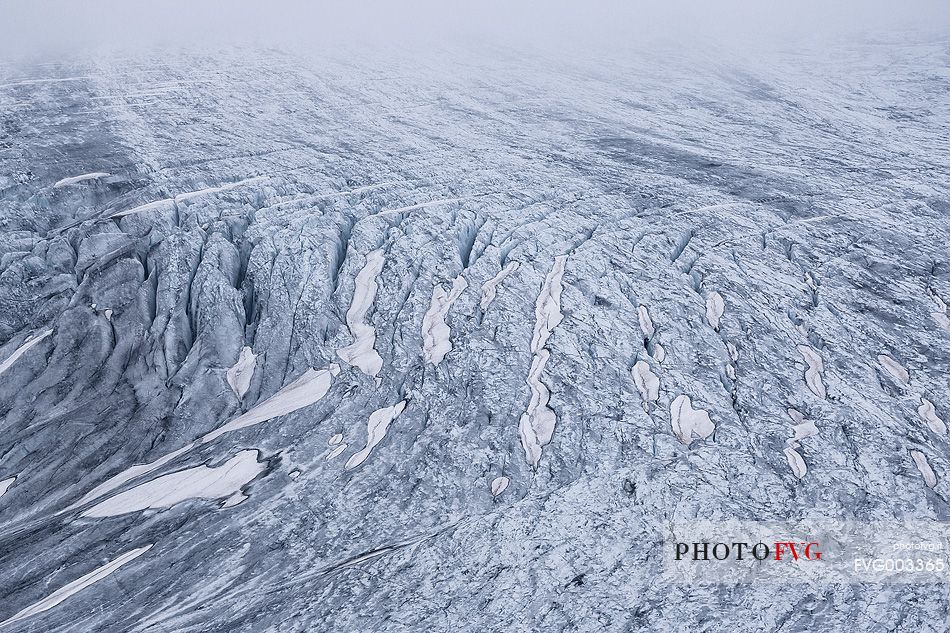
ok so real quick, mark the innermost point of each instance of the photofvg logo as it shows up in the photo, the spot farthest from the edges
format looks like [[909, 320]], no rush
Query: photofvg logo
[[778, 551], [810, 552]]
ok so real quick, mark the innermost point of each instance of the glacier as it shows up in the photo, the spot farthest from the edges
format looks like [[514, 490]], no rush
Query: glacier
[[299, 342]]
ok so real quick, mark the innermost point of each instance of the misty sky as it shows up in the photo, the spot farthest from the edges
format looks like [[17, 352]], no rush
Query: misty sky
[[29, 27]]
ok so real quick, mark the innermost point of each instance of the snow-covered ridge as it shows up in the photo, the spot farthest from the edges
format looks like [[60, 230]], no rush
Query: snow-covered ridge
[[191, 195], [165, 203], [184, 197], [490, 288], [77, 179], [422, 205], [361, 353]]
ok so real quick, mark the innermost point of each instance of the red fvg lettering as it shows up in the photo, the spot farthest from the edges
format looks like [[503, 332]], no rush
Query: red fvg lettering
[[806, 552], [779, 546]]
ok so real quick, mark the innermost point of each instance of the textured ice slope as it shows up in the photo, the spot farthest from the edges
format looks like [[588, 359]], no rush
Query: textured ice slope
[[294, 344]]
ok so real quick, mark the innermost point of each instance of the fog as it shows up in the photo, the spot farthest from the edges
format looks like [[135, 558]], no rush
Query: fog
[[61, 27]]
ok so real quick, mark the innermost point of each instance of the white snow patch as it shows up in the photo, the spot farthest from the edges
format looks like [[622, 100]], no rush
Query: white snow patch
[[648, 384], [435, 332], [895, 369], [815, 368], [200, 482], [335, 439], [689, 423], [795, 461], [803, 428], [536, 426], [361, 353], [23, 349], [376, 428], [127, 475], [108, 314], [733, 359], [646, 323], [5, 485], [75, 179], [336, 451], [715, 306], [304, 391], [924, 467], [239, 376], [928, 414], [547, 309], [659, 353], [498, 485], [76, 586], [490, 289]]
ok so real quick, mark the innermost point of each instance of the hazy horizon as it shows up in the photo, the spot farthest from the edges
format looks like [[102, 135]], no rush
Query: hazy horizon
[[60, 28]]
